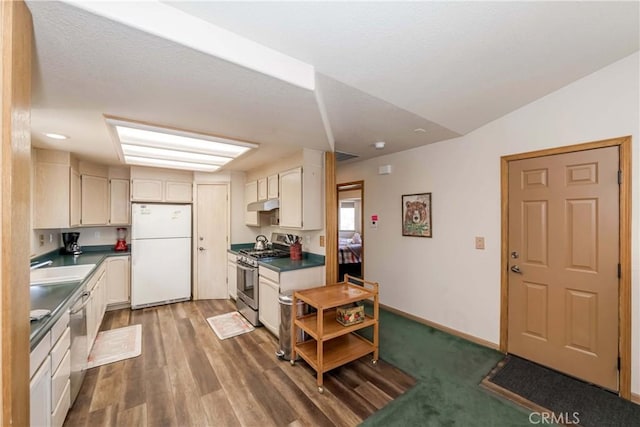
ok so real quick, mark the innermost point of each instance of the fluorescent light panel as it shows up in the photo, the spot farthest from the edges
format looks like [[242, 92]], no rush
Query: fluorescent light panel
[[161, 153], [197, 144], [147, 145], [171, 164]]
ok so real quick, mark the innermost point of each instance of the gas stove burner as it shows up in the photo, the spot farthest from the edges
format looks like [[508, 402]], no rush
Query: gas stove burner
[[267, 253]]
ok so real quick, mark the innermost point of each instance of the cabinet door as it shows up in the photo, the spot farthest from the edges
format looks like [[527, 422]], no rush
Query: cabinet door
[[119, 203], [232, 279], [95, 200], [262, 189], [118, 280], [250, 196], [75, 206], [291, 198], [51, 195], [269, 307], [178, 191], [272, 187], [146, 190], [40, 396]]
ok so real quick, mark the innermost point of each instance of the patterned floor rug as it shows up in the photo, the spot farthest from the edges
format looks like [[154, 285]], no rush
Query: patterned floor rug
[[229, 325]]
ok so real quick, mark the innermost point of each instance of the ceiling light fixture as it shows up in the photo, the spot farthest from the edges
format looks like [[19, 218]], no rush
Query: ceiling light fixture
[[147, 145], [57, 136], [379, 145], [419, 130]]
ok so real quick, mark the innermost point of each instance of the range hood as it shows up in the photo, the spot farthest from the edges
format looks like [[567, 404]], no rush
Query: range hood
[[265, 205]]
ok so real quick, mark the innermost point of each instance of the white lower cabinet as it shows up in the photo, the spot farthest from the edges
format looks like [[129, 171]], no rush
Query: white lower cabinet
[[40, 392], [268, 306], [272, 283], [118, 281], [96, 305], [51, 361], [232, 276]]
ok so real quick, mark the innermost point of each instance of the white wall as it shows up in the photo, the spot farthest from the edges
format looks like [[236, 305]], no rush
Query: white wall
[[444, 279]]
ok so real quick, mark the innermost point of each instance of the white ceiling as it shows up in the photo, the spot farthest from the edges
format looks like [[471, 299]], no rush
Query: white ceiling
[[383, 69]]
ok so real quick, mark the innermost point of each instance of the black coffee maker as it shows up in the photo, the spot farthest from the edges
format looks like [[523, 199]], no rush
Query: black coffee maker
[[70, 241]]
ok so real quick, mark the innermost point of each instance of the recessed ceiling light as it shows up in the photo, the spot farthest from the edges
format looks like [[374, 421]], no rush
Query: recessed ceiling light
[[419, 130], [147, 145], [379, 145], [56, 136]]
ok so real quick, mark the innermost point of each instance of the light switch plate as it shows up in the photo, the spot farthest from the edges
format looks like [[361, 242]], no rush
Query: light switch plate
[[479, 242], [322, 241]]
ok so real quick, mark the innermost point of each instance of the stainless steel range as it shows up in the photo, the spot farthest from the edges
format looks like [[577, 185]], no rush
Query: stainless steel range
[[247, 301]]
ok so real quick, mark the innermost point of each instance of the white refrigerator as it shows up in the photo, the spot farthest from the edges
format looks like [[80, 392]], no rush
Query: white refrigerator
[[160, 254]]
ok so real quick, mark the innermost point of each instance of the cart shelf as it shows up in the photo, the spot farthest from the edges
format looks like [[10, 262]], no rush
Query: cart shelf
[[333, 344]]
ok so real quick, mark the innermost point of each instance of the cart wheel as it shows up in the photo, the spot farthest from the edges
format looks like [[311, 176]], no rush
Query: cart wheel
[[374, 361], [293, 362], [320, 390]]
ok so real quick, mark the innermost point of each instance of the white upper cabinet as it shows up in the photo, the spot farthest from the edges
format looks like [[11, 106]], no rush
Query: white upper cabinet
[[56, 196], [120, 205], [178, 191], [94, 185], [250, 196], [161, 185], [95, 200], [301, 194], [262, 189], [272, 187], [291, 198]]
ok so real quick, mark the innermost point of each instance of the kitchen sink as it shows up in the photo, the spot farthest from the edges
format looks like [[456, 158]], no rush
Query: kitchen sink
[[67, 273]]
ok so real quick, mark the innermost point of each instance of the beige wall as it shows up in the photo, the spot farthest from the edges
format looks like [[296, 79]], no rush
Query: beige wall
[[445, 279]]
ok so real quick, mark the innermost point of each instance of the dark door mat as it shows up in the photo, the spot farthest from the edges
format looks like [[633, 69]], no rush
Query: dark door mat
[[572, 400]]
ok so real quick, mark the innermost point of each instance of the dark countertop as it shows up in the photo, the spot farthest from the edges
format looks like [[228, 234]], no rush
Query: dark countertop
[[309, 260], [58, 297]]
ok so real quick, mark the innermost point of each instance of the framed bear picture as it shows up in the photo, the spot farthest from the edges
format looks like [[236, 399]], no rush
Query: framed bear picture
[[416, 215]]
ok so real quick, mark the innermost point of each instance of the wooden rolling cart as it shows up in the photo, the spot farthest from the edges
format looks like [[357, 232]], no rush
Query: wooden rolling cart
[[333, 344]]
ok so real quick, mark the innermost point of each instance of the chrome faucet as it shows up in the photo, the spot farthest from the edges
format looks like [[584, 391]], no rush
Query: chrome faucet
[[34, 265]]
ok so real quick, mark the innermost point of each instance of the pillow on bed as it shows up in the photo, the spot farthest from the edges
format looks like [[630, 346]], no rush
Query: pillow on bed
[[356, 238]]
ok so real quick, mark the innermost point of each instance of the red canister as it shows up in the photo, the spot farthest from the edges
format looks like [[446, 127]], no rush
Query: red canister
[[295, 251]]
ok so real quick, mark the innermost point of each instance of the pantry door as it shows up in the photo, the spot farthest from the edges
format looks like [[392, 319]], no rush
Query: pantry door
[[211, 241], [563, 275]]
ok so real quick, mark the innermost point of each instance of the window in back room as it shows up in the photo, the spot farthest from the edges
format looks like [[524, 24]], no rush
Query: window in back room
[[347, 216]]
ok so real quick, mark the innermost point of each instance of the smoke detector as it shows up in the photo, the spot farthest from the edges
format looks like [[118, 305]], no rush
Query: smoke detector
[[379, 145]]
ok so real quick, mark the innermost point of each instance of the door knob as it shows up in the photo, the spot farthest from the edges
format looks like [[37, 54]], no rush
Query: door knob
[[516, 269], [202, 249]]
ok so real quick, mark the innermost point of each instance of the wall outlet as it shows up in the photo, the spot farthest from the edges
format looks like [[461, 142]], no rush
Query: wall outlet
[[96, 234], [479, 242], [307, 241], [41, 238], [322, 241], [50, 238]]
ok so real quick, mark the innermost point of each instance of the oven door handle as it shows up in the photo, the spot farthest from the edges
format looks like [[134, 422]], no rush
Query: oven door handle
[[84, 304], [242, 267]]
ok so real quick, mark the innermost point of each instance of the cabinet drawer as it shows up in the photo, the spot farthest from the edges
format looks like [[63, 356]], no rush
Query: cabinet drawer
[[274, 276], [39, 354], [60, 378], [59, 328], [60, 348], [60, 411]]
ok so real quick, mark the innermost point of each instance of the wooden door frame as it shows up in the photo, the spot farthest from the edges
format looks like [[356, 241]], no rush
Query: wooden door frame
[[16, 44], [624, 297], [337, 230]]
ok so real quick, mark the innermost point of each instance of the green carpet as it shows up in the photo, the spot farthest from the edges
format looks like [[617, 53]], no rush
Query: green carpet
[[448, 370]]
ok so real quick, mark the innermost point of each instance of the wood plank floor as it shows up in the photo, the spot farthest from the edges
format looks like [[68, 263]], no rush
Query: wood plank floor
[[186, 376]]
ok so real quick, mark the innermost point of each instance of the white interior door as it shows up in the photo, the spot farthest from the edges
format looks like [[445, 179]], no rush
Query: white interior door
[[212, 228]]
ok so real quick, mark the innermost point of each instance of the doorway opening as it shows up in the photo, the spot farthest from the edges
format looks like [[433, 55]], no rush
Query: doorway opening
[[350, 229]]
